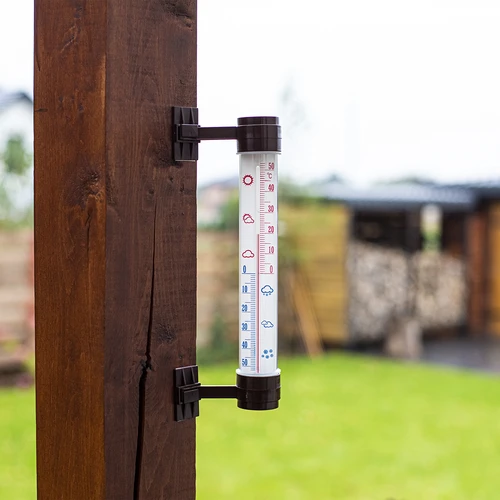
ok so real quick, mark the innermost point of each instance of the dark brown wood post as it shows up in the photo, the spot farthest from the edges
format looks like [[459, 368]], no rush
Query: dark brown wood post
[[115, 244], [477, 270]]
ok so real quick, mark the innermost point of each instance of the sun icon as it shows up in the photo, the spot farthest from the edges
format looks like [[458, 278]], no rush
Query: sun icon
[[248, 180]]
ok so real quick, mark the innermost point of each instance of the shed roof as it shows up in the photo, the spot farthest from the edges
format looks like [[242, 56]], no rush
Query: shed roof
[[484, 190], [8, 98], [400, 197]]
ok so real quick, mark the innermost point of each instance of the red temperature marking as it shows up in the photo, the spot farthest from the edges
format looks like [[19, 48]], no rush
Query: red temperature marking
[[257, 325]]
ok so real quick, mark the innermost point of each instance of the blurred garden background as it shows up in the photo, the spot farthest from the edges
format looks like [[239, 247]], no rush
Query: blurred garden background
[[374, 294]]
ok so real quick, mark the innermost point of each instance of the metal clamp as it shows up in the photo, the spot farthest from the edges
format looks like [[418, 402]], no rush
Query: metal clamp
[[252, 393], [258, 133], [188, 392]]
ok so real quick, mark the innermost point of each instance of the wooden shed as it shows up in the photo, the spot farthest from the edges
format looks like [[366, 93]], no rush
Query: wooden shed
[[318, 235], [318, 300], [483, 245], [386, 217]]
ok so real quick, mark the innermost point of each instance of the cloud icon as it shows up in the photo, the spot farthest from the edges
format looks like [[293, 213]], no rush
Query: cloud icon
[[267, 290], [248, 254], [267, 324], [248, 219]]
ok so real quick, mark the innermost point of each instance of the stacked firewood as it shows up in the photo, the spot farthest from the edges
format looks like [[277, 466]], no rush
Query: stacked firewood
[[442, 290], [387, 284]]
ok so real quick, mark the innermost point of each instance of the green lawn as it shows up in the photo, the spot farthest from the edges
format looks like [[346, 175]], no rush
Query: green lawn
[[17, 444], [348, 428]]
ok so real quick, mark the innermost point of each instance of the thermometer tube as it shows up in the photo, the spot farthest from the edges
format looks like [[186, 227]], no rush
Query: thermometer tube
[[258, 264]]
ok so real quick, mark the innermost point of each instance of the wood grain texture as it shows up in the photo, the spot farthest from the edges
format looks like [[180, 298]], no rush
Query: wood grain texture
[[70, 213], [115, 241], [151, 248], [493, 270], [476, 264]]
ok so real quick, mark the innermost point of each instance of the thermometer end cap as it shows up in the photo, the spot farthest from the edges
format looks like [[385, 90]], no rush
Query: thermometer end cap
[[258, 393], [258, 133]]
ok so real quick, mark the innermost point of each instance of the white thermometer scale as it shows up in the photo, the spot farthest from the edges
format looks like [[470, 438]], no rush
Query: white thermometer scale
[[258, 264]]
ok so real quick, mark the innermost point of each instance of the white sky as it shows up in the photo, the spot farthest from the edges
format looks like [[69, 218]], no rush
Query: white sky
[[376, 89]]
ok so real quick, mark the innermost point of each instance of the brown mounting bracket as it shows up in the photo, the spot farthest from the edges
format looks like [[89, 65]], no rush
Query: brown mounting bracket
[[188, 392], [257, 133], [188, 133], [252, 393]]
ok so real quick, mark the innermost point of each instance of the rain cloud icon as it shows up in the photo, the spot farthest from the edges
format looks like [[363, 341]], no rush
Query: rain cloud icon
[[248, 219], [267, 324], [267, 290], [248, 254]]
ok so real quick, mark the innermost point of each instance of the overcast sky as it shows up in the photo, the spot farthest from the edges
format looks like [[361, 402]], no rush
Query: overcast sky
[[365, 89]]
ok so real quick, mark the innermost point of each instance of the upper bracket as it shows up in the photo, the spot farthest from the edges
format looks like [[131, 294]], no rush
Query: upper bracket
[[185, 126], [253, 134], [187, 133]]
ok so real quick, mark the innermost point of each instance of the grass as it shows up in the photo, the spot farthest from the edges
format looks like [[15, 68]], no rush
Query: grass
[[348, 428], [357, 429], [17, 444]]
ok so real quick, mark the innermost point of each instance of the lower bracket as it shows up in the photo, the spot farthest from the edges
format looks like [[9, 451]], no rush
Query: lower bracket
[[252, 393]]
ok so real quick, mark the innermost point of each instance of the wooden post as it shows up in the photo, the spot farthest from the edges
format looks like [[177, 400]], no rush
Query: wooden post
[[115, 248], [477, 271]]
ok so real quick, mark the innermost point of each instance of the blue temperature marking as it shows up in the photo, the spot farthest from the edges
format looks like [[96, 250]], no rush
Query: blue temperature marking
[[266, 324], [267, 290]]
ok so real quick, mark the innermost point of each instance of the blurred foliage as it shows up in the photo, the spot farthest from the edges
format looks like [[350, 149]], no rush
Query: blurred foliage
[[15, 163], [409, 179], [292, 193], [432, 240], [229, 216], [220, 348], [16, 159], [288, 193]]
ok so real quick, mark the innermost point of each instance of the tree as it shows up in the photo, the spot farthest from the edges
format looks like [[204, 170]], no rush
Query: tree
[[15, 163], [409, 179]]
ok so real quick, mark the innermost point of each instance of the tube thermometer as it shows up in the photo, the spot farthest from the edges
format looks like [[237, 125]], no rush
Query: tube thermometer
[[258, 257], [258, 381]]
